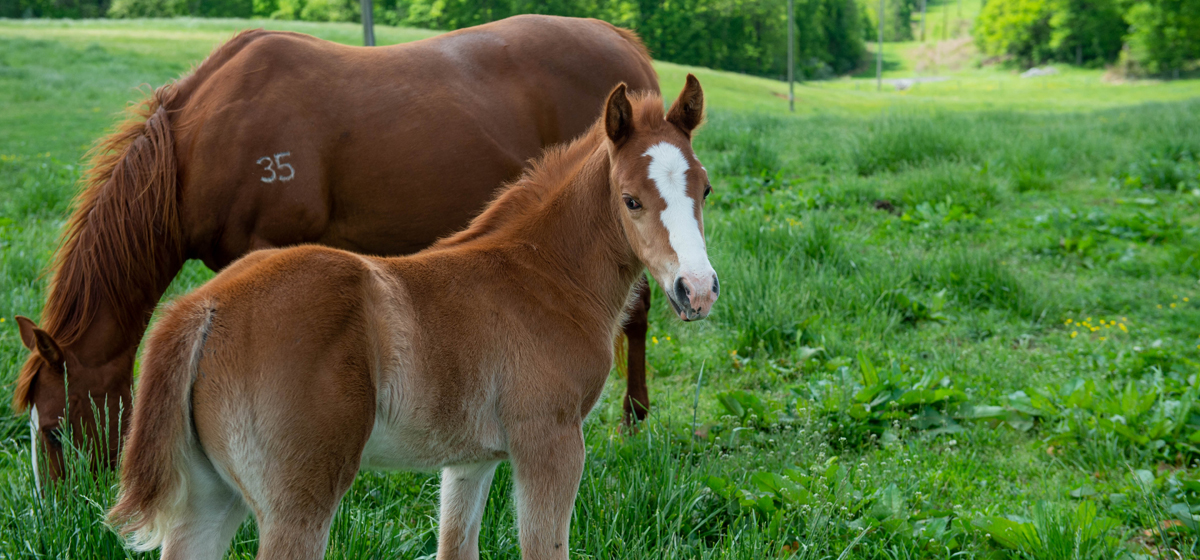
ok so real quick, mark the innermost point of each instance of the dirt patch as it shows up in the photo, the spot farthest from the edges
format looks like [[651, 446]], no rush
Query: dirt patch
[[951, 54], [886, 206]]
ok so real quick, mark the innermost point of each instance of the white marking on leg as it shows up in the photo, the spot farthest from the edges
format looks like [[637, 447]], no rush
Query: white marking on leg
[[668, 170], [463, 497]]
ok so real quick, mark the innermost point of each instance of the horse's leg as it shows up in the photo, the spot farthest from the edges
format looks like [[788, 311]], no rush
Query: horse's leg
[[292, 446], [637, 396], [209, 520], [547, 463], [464, 495], [296, 500]]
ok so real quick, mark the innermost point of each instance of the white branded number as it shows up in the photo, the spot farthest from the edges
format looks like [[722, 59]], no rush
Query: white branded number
[[275, 166]]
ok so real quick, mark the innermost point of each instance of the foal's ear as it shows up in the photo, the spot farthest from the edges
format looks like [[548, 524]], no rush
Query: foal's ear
[[688, 110], [618, 116], [39, 340]]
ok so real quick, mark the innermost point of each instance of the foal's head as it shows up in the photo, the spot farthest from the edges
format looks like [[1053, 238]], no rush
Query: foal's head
[[660, 188]]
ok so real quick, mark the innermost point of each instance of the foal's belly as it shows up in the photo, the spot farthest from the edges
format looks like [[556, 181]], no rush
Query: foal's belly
[[409, 436]]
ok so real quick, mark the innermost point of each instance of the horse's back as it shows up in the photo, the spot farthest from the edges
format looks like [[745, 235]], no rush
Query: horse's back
[[292, 139]]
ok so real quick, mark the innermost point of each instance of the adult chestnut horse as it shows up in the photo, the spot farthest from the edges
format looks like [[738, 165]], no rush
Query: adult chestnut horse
[[268, 388], [280, 138]]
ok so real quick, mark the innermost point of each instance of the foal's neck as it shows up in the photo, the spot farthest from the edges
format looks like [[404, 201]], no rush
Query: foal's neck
[[579, 237], [560, 222]]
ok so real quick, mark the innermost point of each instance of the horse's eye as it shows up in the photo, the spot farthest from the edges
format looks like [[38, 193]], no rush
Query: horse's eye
[[707, 191], [53, 437], [632, 203]]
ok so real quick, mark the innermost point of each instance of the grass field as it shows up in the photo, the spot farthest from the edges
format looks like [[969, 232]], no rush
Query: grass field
[[959, 321]]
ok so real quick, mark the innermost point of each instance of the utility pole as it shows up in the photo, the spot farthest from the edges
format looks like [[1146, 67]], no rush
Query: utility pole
[[791, 60], [368, 18], [878, 54], [922, 21], [945, 23]]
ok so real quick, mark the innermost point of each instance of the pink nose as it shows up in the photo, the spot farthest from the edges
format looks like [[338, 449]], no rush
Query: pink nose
[[694, 295]]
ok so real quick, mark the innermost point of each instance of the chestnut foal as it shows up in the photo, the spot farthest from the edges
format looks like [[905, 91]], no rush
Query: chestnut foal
[[268, 388]]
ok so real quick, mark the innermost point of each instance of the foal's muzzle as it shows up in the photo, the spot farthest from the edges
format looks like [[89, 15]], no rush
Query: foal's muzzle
[[693, 295]]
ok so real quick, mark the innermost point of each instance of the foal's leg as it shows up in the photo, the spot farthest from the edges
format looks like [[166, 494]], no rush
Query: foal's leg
[[302, 480], [464, 495], [637, 396], [295, 459], [547, 462], [209, 520]]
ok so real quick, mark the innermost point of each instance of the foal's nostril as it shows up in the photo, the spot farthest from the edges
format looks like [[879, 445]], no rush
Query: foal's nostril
[[682, 293], [716, 286]]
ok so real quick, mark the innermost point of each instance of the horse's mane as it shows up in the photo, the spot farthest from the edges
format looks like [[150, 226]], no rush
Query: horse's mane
[[123, 237], [548, 172]]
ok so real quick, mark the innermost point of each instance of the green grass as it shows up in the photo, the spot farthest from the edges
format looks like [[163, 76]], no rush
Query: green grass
[[961, 321]]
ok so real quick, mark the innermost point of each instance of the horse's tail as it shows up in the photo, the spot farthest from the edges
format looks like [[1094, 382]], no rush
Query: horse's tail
[[155, 473]]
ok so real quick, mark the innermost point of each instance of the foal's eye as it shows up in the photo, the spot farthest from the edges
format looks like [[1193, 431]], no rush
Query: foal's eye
[[632, 203], [707, 191]]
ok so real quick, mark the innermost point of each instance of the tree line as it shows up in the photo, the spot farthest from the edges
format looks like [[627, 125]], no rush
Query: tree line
[[1153, 37], [748, 36]]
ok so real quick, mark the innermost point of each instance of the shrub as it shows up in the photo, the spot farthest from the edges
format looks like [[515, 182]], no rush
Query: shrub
[[147, 8], [1163, 34], [1038, 31]]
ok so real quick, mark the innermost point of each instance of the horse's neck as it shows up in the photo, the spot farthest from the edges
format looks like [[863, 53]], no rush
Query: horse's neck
[[578, 242], [112, 331], [107, 329]]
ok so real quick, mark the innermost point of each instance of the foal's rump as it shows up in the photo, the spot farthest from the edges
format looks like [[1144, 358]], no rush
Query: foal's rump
[[268, 361]]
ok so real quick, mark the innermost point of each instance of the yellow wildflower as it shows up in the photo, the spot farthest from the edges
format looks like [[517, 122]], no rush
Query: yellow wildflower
[[1074, 334], [654, 339], [1122, 327]]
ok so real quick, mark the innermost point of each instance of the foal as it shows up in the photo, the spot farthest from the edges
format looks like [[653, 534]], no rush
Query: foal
[[268, 388]]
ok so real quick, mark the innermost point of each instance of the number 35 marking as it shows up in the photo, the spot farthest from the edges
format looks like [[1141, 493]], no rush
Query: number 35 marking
[[270, 165]]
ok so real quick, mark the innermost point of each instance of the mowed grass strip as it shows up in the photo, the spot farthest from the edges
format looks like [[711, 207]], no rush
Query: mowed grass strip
[[945, 330]]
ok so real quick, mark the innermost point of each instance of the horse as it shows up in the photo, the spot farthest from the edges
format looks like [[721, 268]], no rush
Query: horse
[[279, 139], [268, 388]]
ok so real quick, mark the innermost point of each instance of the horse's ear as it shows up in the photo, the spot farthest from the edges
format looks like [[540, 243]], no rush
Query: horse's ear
[[39, 341], [618, 116], [688, 110]]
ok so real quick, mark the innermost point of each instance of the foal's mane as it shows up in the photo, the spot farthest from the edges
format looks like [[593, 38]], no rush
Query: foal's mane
[[123, 238], [549, 172]]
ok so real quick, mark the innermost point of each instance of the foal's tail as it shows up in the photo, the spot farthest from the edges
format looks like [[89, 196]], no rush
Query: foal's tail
[[162, 440]]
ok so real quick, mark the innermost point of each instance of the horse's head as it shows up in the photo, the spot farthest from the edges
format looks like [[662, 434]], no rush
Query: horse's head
[[660, 187], [88, 407]]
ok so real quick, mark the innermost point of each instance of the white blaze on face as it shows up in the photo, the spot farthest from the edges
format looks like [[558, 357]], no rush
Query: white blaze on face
[[33, 444], [668, 170]]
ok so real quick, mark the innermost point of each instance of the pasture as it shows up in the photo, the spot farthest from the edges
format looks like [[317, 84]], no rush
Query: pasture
[[958, 321]]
